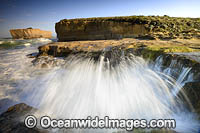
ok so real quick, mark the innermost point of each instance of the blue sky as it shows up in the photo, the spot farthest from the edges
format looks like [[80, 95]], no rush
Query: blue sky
[[44, 14]]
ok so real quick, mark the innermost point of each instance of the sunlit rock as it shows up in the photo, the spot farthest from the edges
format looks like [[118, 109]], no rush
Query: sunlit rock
[[145, 27], [30, 33]]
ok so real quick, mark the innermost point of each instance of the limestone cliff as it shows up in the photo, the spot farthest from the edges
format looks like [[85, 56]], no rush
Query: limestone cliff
[[149, 27], [29, 33], [89, 30]]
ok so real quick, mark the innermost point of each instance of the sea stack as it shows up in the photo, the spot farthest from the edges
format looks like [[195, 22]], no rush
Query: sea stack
[[29, 33]]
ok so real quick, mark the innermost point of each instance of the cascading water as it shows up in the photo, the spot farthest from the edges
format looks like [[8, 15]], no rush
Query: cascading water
[[130, 88]]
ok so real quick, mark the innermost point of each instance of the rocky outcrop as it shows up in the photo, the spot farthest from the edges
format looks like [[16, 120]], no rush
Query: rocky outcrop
[[177, 65], [146, 27], [63, 49], [89, 30], [12, 121], [147, 48], [29, 33], [192, 89]]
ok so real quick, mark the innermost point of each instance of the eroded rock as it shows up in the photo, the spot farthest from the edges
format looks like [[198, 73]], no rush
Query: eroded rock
[[30, 33], [89, 30], [192, 89], [145, 27], [63, 49]]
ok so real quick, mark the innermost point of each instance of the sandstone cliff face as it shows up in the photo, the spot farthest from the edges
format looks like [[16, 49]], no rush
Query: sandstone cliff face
[[148, 27], [90, 30], [29, 33]]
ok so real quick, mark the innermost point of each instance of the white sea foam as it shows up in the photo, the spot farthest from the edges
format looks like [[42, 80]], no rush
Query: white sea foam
[[26, 42], [129, 91], [15, 68]]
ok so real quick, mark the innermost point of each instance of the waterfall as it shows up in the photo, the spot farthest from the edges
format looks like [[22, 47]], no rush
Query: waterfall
[[132, 89], [113, 84]]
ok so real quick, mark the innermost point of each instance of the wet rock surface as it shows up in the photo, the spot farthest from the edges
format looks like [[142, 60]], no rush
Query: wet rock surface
[[190, 92], [147, 48], [12, 121], [192, 89]]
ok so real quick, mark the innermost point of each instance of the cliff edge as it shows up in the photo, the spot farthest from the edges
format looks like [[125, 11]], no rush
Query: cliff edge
[[146, 27]]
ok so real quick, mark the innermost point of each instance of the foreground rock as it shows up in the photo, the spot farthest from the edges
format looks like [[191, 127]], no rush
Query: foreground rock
[[63, 49], [147, 48], [146, 27], [29, 33], [12, 121], [186, 71], [192, 89]]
